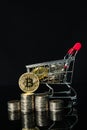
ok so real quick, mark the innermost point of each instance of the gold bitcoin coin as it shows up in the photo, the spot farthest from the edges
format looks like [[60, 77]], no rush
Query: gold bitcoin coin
[[41, 72], [35, 128], [28, 82]]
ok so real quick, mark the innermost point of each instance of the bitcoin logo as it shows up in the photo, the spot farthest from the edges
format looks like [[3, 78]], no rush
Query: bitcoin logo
[[28, 82], [41, 72]]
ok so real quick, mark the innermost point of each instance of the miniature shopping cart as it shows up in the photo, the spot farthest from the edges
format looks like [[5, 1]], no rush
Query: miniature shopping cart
[[58, 73]]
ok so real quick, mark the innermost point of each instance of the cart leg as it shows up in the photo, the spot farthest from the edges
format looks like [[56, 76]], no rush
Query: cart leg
[[51, 91]]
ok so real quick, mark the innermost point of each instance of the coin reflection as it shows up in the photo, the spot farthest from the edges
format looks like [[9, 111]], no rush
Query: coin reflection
[[14, 115], [28, 120], [66, 123], [41, 118], [36, 128], [56, 116]]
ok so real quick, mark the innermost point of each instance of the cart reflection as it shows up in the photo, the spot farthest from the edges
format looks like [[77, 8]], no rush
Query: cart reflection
[[39, 120]]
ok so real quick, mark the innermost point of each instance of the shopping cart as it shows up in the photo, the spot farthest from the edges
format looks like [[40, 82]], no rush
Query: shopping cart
[[58, 73]]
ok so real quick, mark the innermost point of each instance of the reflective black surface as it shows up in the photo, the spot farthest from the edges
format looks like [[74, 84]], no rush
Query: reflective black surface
[[73, 118], [44, 120]]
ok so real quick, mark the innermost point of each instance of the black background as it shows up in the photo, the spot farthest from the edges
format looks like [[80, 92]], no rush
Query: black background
[[42, 34]]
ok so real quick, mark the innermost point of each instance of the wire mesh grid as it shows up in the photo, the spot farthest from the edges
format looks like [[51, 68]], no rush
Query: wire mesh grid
[[57, 71]]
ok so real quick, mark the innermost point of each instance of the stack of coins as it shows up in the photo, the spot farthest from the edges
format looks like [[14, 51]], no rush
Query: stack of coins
[[41, 102], [13, 105], [27, 102], [13, 109], [56, 109], [56, 104]]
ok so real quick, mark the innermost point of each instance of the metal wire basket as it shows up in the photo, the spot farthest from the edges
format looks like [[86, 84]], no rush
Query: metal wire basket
[[58, 72]]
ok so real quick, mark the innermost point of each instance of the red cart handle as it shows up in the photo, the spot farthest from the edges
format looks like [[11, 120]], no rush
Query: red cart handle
[[75, 48]]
